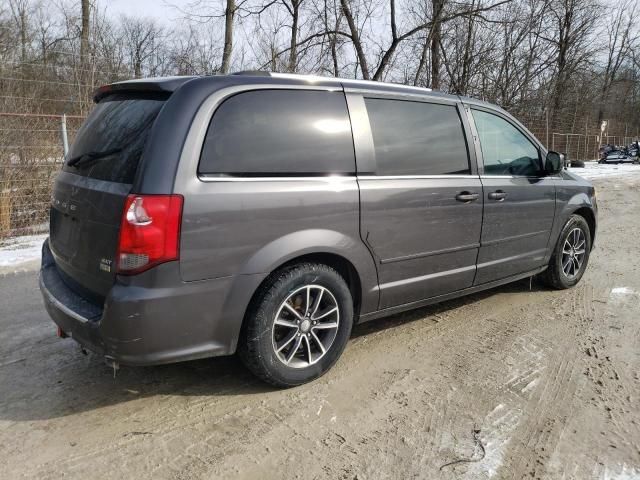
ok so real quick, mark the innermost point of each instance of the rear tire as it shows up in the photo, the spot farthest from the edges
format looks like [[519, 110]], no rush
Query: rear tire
[[570, 256], [298, 325]]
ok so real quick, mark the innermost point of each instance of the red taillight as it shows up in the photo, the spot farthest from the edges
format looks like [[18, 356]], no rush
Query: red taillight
[[149, 232]]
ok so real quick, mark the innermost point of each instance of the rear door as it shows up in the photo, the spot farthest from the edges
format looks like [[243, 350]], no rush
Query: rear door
[[519, 200], [421, 197], [89, 193]]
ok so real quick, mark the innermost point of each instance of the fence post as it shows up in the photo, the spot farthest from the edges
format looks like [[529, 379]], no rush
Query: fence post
[[63, 134], [546, 113]]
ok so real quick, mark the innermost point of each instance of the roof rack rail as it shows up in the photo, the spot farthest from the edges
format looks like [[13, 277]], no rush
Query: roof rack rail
[[346, 81]]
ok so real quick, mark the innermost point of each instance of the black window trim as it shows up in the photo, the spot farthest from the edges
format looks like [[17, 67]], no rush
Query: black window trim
[[466, 133], [262, 176], [534, 141]]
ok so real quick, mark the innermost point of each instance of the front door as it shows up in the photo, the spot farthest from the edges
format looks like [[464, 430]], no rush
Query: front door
[[519, 201], [421, 207]]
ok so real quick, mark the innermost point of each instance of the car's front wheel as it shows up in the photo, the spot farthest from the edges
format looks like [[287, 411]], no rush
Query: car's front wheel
[[571, 254], [298, 325]]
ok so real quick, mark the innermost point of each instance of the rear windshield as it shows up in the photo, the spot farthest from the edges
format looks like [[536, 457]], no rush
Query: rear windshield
[[110, 142]]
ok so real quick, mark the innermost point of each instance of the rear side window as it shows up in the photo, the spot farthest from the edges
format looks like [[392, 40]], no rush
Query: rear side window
[[416, 138], [279, 132], [110, 142]]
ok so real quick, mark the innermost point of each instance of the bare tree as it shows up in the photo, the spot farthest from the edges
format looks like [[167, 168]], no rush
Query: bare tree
[[141, 38], [620, 40], [19, 12], [572, 21]]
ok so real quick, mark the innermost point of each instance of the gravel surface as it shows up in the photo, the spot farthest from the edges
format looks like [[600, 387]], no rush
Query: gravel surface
[[520, 380]]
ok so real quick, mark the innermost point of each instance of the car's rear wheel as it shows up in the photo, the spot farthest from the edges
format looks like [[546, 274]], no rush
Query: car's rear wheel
[[298, 325], [571, 254]]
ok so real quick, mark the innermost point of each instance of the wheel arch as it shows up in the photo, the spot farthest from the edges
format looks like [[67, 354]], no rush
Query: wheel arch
[[341, 264], [345, 268], [346, 254], [589, 216]]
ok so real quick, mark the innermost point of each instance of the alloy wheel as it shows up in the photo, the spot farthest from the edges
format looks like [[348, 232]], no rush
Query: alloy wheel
[[305, 326], [573, 252]]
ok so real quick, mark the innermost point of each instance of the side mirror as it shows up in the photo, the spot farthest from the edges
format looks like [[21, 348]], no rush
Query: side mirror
[[554, 163]]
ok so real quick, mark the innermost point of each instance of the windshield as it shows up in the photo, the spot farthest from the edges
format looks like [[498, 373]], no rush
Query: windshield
[[110, 142]]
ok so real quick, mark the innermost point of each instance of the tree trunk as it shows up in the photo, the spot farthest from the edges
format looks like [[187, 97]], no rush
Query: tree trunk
[[293, 49], [355, 39], [229, 16], [84, 33], [137, 67], [333, 39], [334, 55], [561, 64], [463, 84], [423, 60], [436, 34]]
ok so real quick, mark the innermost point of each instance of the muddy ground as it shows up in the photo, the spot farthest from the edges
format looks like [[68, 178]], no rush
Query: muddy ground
[[546, 383]]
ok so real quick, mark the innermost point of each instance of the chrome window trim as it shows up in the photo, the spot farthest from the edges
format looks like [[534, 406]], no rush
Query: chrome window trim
[[415, 177], [329, 178], [420, 97], [277, 178], [513, 176]]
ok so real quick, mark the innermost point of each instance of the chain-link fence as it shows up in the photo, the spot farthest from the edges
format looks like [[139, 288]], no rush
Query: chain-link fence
[[30, 157], [576, 146]]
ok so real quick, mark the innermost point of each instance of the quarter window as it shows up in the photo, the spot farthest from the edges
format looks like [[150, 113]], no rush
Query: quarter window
[[279, 132], [417, 138], [505, 150]]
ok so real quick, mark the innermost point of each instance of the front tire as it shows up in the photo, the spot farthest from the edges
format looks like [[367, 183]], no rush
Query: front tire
[[298, 325], [571, 254]]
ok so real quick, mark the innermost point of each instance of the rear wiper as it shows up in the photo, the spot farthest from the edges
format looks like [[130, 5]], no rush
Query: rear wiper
[[91, 156]]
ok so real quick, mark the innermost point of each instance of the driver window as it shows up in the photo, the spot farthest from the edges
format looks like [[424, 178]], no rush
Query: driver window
[[506, 151]]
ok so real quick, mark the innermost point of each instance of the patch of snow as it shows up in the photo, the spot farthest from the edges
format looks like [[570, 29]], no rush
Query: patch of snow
[[622, 472], [623, 295], [622, 291], [596, 170], [17, 250]]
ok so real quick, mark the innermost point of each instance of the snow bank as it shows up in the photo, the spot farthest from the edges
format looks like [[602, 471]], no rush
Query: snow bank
[[17, 250], [596, 170]]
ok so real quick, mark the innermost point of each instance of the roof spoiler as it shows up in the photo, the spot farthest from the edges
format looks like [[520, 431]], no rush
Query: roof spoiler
[[165, 85], [253, 73]]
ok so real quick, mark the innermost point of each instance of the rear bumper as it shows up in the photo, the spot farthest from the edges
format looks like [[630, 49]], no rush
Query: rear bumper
[[152, 318]]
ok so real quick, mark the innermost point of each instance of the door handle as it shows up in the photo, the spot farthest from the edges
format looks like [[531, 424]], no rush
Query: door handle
[[466, 197], [498, 195]]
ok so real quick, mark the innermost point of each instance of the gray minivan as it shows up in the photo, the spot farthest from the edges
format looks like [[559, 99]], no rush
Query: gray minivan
[[267, 213]]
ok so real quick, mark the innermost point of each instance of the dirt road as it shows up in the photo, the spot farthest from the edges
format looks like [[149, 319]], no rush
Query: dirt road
[[545, 383]]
